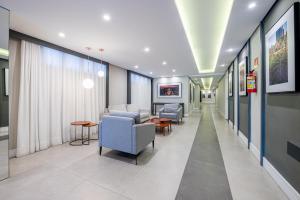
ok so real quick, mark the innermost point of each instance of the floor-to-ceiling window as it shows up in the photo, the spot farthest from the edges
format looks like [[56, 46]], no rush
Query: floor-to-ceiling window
[[54, 89]]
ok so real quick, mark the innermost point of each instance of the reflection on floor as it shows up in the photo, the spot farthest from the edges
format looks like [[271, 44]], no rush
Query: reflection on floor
[[68, 172]]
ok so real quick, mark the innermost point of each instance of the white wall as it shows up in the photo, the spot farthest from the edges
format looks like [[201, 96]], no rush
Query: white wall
[[256, 97], [117, 85], [185, 91], [206, 99], [197, 97], [221, 96]]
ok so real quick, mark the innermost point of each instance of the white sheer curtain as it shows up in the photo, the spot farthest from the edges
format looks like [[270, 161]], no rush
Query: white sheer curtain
[[52, 96], [141, 91]]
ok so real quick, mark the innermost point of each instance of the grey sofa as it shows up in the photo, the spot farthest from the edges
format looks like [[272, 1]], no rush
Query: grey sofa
[[122, 134], [144, 114], [171, 111]]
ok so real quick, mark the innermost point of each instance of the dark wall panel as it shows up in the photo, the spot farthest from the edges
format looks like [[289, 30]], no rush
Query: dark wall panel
[[243, 100], [282, 117], [244, 118], [231, 99], [231, 109]]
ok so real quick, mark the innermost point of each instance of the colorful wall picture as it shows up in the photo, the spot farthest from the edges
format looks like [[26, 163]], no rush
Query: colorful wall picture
[[280, 55], [230, 85], [171, 90], [243, 77]]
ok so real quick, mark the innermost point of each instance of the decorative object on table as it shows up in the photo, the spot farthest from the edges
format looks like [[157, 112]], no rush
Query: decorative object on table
[[280, 53], [243, 77], [122, 134], [171, 90], [230, 83], [171, 111], [251, 82]]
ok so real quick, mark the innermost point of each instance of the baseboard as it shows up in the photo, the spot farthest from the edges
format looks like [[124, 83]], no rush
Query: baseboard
[[288, 189], [230, 124], [243, 137], [12, 153], [235, 129], [255, 151]]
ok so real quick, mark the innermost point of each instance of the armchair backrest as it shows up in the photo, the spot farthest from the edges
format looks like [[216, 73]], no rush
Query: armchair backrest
[[171, 107], [116, 132]]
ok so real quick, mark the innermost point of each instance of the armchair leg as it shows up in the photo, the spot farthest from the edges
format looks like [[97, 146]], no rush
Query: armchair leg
[[100, 150], [153, 144]]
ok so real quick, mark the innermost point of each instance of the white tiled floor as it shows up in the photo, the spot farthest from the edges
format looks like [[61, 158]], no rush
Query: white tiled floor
[[247, 179], [70, 172]]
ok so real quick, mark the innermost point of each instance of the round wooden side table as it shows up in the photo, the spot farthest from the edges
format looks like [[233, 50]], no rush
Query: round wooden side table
[[79, 123], [91, 124]]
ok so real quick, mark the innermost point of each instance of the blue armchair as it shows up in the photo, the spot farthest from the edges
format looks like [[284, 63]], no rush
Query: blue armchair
[[122, 134], [171, 111]]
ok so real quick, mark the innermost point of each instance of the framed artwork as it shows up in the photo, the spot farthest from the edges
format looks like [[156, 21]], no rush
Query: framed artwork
[[170, 90], [209, 96], [280, 55], [230, 84], [243, 77]]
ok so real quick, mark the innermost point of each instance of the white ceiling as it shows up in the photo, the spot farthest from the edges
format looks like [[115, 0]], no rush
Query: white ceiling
[[134, 25]]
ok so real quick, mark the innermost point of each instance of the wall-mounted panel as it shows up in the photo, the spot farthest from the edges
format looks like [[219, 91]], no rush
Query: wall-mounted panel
[[117, 85], [255, 44], [243, 100]]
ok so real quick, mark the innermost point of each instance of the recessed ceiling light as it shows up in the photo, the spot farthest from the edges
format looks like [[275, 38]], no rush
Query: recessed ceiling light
[[61, 34], [252, 5], [151, 73], [164, 63], [230, 50], [136, 66], [223, 65], [173, 70], [106, 17], [146, 49]]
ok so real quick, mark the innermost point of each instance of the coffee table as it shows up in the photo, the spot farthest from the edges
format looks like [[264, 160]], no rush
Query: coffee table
[[161, 124], [166, 121]]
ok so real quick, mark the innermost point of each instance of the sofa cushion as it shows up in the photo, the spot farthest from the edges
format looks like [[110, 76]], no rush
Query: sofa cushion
[[121, 107], [144, 115], [133, 115], [171, 108], [133, 108]]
